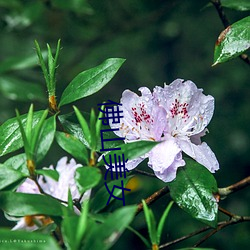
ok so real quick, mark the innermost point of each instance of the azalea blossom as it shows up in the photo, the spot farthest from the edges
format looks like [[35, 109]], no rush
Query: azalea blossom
[[176, 114], [58, 189]]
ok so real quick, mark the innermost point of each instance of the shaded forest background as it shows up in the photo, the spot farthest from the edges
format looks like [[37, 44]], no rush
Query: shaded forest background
[[161, 41]]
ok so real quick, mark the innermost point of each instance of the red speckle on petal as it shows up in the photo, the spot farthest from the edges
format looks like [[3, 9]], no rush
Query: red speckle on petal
[[140, 114], [179, 109]]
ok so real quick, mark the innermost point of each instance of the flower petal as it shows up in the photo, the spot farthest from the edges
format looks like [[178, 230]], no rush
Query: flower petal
[[143, 118], [165, 158], [29, 187], [189, 110], [201, 153]]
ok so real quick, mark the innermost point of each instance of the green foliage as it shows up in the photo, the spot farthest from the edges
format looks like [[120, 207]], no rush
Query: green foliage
[[110, 230], [90, 81], [131, 150], [10, 136], [87, 177], [233, 41], [30, 204], [193, 190], [73, 146], [101, 197], [241, 5], [17, 240], [9, 176]]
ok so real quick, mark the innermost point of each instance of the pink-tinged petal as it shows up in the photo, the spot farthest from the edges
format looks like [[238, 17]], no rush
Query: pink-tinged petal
[[59, 189], [189, 110], [131, 164], [143, 118], [201, 153], [165, 158], [29, 187]]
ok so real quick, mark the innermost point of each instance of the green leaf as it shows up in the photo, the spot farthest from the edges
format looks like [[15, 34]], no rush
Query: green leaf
[[20, 204], [162, 221], [46, 137], [241, 5], [84, 125], [8, 176], [92, 125], [150, 219], [90, 81], [233, 41], [195, 248], [101, 197], [16, 240], [73, 146], [78, 6], [105, 235], [193, 191], [131, 150], [53, 174], [19, 90], [18, 162], [10, 136], [87, 177]]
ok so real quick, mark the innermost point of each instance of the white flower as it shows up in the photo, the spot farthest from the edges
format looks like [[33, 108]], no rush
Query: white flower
[[58, 189], [177, 115]]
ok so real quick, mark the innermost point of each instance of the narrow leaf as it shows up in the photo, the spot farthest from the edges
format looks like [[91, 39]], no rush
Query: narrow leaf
[[90, 81], [73, 146]]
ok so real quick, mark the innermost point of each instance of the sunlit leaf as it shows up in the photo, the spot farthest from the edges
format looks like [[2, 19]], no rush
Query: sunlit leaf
[[10, 136], [90, 81], [193, 191], [233, 41]]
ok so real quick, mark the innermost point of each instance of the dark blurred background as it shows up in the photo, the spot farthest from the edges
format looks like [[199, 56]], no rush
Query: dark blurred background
[[161, 41]]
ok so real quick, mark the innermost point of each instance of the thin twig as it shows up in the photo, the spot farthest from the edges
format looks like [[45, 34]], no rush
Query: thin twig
[[235, 220], [145, 173], [221, 225], [226, 23], [223, 192], [152, 198]]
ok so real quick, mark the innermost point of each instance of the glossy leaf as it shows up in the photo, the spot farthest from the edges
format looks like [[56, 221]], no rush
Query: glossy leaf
[[101, 197], [87, 177], [18, 162], [72, 126], [19, 90], [53, 174], [16, 240], [8, 176], [233, 41], [241, 5], [20, 204], [162, 221], [73, 146], [10, 136], [46, 137], [105, 235], [131, 150], [90, 81], [193, 191]]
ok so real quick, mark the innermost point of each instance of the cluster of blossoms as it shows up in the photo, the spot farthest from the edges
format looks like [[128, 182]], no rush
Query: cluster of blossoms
[[58, 189], [177, 115]]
